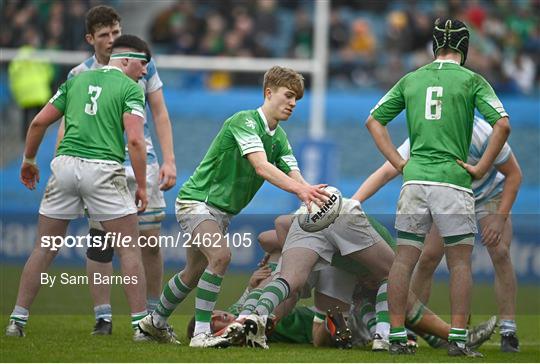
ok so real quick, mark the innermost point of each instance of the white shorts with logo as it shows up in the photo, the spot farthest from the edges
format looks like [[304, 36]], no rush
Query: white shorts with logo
[[190, 213], [154, 214], [350, 232], [76, 183], [420, 205]]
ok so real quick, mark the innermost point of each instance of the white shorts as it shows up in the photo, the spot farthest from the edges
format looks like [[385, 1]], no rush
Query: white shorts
[[154, 214], [332, 282], [350, 232], [489, 207], [190, 213], [76, 183], [451, 210]]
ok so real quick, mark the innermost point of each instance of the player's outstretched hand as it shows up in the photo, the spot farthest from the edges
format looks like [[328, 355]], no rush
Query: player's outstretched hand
[[29, 175], [492, 231], [474, 171], [167, 176], [141, 200], [316, 193]]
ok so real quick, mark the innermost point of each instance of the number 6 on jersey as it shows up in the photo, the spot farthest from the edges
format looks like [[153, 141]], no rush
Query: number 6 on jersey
[[431, 101], [94, 91]]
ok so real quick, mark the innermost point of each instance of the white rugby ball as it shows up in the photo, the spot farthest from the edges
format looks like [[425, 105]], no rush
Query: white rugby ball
[[321, 217]]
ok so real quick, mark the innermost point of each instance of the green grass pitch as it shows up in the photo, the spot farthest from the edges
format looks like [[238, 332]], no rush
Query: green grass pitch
[[61, 320]]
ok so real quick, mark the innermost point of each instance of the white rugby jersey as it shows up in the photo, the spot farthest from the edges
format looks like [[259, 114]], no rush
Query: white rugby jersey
[[149, 83], [492, 183]]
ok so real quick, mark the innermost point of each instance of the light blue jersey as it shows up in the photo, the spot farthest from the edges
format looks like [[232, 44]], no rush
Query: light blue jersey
[[492, 183], [149, 83]]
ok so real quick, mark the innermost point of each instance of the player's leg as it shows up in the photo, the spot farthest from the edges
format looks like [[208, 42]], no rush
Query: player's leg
[[39, 261], [153, 268], [99, 261], [61, 204], [413, 221], [454, 214], [429, 261], [104, 190], [505, 286], [130, 264], [331, 329]]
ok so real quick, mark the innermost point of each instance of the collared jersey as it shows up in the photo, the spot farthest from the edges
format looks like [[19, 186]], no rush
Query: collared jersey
[[149, 83], [225, 178], [93, 105], [440, 99]]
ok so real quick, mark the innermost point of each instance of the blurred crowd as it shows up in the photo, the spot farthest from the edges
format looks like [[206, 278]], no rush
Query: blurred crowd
[[372, 43]]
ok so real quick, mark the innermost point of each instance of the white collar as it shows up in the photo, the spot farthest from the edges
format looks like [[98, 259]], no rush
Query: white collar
[[446, 61], [111, 68], [266, 127]]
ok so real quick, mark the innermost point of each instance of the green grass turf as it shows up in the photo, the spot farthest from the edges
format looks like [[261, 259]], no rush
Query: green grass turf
[[61, 319]]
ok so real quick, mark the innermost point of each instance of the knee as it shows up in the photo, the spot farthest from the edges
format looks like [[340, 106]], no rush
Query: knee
[[500, 254], [220, 258], [428, 262]]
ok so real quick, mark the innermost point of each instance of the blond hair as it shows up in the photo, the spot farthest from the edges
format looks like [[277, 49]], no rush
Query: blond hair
[[278, 76]]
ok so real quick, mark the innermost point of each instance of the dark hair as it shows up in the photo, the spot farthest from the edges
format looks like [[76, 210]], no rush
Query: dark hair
[[101, 16], [132, 42], [451, 34], [191, 327]]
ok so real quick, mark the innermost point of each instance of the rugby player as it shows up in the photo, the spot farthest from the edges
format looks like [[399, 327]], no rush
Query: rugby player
[[494, 196], [87, 170], [102, 28], [439, 100], [250, 148]]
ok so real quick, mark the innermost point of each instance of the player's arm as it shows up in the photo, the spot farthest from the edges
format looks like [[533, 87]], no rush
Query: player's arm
[[501, 131], [160, 115], [266, 170], [29, 170], [375, 181], [133, 124], [512, 173], [384, 143], [297, 176]]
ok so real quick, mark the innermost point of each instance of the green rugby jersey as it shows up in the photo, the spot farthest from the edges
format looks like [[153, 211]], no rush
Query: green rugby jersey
[[439, 99], [93, 104], [225, 178], [352, 266], [296, 327]]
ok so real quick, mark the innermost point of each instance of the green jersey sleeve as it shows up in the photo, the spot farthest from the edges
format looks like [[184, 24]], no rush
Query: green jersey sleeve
[[390, 105], [59, 98], [286, 161], [487, 102], [134, 101], [244, 131]]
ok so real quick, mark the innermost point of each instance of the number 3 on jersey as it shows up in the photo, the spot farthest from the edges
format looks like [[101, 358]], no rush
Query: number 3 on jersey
[[433, 103], [94, 92]]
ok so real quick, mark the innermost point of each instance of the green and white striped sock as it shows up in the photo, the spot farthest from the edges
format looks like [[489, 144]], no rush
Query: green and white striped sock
[[273, 294], [20, 315], [174, 292], [250, 302], [136, 317], [320, 315], [398, 335], [432, 340], [207, 293], [458, 335], [151, 303], [381, 309], [367, 316]]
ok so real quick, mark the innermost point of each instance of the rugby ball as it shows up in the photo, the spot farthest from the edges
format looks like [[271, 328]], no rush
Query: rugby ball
[[321, 217]]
